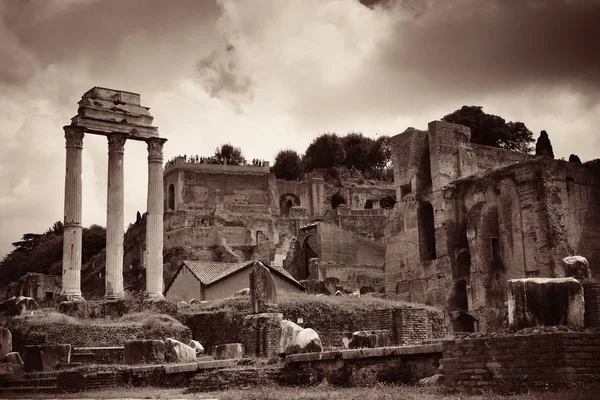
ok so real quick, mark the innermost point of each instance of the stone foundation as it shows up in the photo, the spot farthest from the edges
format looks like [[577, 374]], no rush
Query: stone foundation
[[260, 334], [591, 293], [514, 362]]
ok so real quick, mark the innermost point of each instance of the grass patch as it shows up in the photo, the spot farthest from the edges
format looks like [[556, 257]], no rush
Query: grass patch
[[148, 320], [379, 392], [299, 299]]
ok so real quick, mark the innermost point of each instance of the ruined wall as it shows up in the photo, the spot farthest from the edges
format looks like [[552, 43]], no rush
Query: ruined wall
[[345, 247], [514, 362], [471, 217], [406, 324]]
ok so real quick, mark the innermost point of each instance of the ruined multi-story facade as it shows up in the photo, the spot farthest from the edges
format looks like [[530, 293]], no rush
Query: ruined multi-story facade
[[232, 213], [470, 217]]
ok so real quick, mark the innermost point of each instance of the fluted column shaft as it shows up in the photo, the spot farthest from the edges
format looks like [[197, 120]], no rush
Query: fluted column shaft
[[154, 220], [71, 274], [114, 217]]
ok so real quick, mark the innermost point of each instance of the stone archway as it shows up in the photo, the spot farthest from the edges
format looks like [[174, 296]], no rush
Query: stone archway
[[287, 201]]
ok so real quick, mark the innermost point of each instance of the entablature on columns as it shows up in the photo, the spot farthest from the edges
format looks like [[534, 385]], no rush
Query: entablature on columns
[[106, 112]]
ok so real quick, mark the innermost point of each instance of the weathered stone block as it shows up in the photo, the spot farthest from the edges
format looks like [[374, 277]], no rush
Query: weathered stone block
[[5, 341], [197, 347], [12, 358], [261, 333], [46, 357], [10, 370], [545, 302], [144, 352], [178, 352], [368, 339], [228, 351], [263, 290], [577, 267], [295, 339]]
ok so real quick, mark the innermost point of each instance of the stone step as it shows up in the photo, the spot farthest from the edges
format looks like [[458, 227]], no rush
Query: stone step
[[27, 390], [40, 375], [31, 382]]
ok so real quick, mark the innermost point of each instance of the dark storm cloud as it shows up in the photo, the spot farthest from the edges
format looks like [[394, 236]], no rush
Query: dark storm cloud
[[39, 33], [494, 45]]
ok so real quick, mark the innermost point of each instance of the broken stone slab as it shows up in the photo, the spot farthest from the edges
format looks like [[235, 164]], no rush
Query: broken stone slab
[[5, 342], [178, 352], [577, 267], [10, 370], [295, 339], [12, 358], [545, 302], [433, 380], [228, 351], [144, 352], [197, 347], [366, 339], [263, 290], [46, 357]]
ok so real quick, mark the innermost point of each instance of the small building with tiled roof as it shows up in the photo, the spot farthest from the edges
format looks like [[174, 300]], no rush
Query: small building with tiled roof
[[210, 280]]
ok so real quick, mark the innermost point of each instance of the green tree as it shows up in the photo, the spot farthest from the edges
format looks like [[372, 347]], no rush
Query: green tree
[[230, 154], [543, 147], [326, 151], [288, 165], [358, 149], [492, 130]]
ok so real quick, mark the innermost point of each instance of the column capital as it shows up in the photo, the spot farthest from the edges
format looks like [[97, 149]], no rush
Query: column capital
[[116, 142], [155, 149], [74, 135]]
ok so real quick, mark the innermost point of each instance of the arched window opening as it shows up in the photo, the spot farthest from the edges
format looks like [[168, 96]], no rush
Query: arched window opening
[[171, 197], [387, 202], [336, 200], [310, 248], [463, 265], [426, 232], [286, 202]]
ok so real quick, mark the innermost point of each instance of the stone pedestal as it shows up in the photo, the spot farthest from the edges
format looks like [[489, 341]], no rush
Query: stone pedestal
[[154, 220], [545, 302], [263, 290], [71, 279], [5, 342], [115, 218], [261, 334]]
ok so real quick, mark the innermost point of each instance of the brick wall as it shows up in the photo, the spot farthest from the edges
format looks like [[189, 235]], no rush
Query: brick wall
[[407, 325], [519, 361], [591, 293]]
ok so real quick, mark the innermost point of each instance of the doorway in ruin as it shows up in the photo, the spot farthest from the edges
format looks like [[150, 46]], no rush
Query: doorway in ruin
[[310, 248], [287, 201], [337, 199], [426, 232], [463, 323], [387, 202], [463, 264], [171, 197]]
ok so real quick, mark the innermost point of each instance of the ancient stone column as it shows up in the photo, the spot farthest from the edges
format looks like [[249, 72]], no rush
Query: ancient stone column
[[114, 217], [154, 220], [71, 279]]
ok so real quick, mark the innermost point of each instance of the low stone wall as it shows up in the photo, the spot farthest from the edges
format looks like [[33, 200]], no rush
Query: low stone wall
[[363, 367], [407, 325], [92, 335], [512, 362], [98, 355], [235, 378]]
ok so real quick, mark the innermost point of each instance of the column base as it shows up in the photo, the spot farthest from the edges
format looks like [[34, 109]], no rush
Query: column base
[[70, 297], [114, 296], [154, 297]]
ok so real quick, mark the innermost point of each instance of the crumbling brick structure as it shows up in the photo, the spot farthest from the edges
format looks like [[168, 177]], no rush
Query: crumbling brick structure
[[470, 217]]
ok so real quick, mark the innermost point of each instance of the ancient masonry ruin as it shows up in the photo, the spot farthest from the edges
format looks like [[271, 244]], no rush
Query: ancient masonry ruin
[[119, 116], [471, 217]]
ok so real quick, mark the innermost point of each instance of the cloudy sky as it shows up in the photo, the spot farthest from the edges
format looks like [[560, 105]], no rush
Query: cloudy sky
[[271, 74]]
